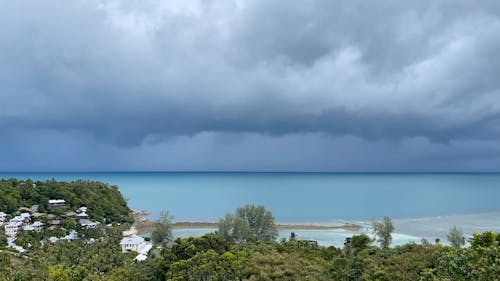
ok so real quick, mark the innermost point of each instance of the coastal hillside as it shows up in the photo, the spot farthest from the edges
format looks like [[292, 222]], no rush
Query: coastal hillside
[[64, 243], [102, 200]]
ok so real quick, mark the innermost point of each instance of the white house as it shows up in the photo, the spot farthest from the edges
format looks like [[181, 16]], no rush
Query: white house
[[82, 215], [143, 253], [3, 218], [53, 239], [18, 220], [56, 203], [26, 217], [82, 209], [85, 223], [132, 243], [12, 228], [36, 226], [73, 235], [28, 228]]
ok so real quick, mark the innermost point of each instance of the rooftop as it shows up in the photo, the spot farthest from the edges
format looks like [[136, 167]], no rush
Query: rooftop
[[56, 201], [37, 223], [134, 239]]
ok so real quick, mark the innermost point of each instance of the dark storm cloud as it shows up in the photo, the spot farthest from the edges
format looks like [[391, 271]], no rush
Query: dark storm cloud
[[128, 75]]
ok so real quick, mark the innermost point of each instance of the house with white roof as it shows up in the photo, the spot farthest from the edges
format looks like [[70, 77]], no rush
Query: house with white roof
[[132, 243], [28, 228], [82, 215], [143, 253], [73, 235], [140, 257], [3, 218], [26, 217], [85, 223], [56, 203], [18, 220], [53, 239], [12, 228], [36, 226]]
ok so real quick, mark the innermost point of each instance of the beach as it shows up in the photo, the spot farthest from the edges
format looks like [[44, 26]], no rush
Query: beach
[[143, 225]]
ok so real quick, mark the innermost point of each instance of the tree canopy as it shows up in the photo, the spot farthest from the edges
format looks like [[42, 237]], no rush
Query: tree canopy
[[249, 224], [163, 230], [383, 231], [456, 237]]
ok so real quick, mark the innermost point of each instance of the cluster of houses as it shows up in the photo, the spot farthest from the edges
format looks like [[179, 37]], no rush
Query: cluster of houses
[[83, 218], [23, 222], [19, 223], [31, 220]]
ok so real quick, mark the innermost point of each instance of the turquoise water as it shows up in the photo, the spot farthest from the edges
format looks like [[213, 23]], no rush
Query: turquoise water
[[419, 203]]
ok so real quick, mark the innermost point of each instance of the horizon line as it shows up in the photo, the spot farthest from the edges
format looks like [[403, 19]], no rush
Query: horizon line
[[250, 172]]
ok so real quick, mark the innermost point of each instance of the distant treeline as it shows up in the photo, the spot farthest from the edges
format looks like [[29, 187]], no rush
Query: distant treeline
[[102, 200]]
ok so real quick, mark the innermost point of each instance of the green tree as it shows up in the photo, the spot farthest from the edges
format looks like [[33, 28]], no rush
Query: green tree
[[383, 231], [58, 273], [357, 243], [163, 230], [249, 224], [466, 264], [284, 266], [485, 239], [207, 266], [185, 248], [348, 268], [456, 237]]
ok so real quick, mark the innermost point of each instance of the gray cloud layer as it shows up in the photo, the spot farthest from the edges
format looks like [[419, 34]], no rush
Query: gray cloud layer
[[276, 82]]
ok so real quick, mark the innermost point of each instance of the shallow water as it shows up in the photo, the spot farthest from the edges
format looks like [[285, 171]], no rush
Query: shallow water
[[423, 205]]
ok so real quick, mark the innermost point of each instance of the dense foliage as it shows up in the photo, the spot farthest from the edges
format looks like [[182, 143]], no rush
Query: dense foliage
[[102, 200], [212, 257]]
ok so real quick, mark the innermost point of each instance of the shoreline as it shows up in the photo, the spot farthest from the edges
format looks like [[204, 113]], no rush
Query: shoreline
[[143, 225], [279, 226]]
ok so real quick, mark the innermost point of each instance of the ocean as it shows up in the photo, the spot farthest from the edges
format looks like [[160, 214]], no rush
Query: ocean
[[421, 205]]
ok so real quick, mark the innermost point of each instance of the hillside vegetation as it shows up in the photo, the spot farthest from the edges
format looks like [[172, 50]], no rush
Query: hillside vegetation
[[102, 200]]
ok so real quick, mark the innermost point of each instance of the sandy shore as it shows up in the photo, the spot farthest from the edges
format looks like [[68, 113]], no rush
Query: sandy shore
[[279, 226], [143, 225]]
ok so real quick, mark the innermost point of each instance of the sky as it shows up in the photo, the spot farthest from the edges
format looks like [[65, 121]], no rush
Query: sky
[[250, 85]]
